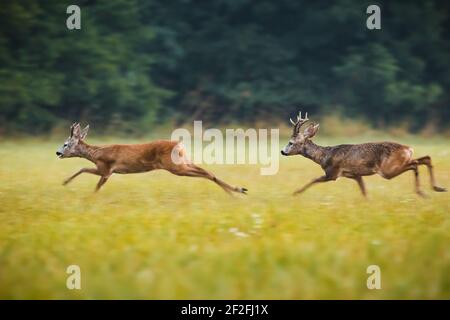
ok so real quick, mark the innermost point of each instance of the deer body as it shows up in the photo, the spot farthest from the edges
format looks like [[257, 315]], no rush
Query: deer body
[[134, 158], [359, 159], [388, 159]]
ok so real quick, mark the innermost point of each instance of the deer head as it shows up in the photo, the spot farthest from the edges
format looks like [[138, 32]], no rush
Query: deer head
[[300, 136], [71, 147]]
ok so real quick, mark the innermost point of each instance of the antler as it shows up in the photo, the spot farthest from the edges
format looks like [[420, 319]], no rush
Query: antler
[[299, 119], [297, 124]]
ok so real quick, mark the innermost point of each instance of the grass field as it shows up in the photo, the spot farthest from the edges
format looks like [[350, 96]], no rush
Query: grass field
[[158, 236]]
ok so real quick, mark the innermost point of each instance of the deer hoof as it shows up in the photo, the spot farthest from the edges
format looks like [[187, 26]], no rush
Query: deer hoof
[[421, 194], [244, 190], [439, 189]]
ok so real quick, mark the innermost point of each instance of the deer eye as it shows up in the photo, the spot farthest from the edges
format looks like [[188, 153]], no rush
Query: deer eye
[[290, 143]]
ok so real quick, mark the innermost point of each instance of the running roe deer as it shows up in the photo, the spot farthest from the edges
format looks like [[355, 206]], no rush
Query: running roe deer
[[388, 159], [135, 158]]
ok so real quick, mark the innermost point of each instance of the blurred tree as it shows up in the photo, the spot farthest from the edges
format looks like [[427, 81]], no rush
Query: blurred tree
[[49, 72], [221, 61], [243, 60]]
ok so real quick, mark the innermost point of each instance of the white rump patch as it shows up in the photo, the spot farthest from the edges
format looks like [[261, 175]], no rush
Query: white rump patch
[[409, 152]]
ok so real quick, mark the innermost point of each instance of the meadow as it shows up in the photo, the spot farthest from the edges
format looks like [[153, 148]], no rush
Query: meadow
[[159, 236]]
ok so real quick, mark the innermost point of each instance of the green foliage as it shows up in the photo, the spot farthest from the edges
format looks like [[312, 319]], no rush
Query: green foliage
[[244, 61], [49, 72], [147, 60]]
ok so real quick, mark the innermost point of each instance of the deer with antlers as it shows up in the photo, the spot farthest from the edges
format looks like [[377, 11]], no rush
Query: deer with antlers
[[135, 158], [388, 159]]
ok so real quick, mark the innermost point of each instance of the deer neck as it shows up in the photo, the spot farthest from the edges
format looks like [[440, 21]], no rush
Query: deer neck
[[87, 151], [314, 152]]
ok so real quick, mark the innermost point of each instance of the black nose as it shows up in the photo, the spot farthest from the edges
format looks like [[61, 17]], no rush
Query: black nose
[[58, 153], [283, 153]]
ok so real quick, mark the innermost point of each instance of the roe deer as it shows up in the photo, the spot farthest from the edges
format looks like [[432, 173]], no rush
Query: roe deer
[[133, 158], [388, 159]]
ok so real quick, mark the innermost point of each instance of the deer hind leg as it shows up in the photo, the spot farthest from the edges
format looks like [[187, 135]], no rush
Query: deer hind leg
[[399, 163], [415, 168], [191, 170], [427, 161], [412, 165], [84, 170]]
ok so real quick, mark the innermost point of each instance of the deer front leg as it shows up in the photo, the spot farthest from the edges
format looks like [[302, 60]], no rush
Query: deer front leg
[[101, 182], [105, 171], [361, 185], [84, 170], [318, 180], [360, 181]]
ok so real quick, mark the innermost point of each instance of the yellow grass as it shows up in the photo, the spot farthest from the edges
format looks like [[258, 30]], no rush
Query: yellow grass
[[158, 236]]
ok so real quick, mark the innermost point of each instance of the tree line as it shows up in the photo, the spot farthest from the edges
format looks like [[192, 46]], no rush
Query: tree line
[[137, 63]]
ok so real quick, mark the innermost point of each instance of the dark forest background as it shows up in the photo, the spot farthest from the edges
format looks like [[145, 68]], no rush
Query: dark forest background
[[136, 64]]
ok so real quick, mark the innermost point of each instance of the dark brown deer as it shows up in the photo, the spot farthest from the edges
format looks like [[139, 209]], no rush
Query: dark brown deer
[[135, 158], [388, 159]]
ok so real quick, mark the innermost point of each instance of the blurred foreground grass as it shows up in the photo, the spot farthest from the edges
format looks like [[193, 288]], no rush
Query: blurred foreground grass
[[158, 236]]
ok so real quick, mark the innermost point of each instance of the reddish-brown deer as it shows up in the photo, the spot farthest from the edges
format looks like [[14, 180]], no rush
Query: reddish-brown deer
[[135, 158], [388, 159]]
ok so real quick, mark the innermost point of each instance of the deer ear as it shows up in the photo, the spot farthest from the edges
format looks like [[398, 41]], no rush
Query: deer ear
[[75, 130], [84, 132], [72, 127], [311, 131]]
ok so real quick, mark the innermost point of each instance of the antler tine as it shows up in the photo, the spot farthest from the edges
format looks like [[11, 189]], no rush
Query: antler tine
[[300, 120]]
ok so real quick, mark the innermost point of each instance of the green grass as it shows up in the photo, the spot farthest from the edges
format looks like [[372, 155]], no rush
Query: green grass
[[159, 236]]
